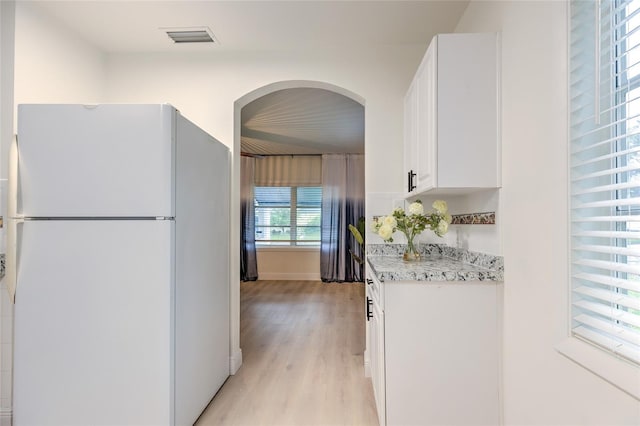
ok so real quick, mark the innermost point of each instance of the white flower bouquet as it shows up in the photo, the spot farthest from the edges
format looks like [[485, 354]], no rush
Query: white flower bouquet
[[413, 224]]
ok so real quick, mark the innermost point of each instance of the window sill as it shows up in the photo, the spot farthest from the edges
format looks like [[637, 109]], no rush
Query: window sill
[[621, 374], [287, 248]]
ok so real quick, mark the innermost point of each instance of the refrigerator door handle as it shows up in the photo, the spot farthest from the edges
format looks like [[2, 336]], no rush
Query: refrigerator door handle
[[13, 255], [11, 273]]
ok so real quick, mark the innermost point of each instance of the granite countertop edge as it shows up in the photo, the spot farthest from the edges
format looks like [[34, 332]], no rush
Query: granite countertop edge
[[438, 263]]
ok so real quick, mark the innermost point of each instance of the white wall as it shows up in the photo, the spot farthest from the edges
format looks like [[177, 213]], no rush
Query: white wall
[[7, 35], [7, 60], [205, 86], [540, 386], [211, 88], [288, 264], [53, 65]]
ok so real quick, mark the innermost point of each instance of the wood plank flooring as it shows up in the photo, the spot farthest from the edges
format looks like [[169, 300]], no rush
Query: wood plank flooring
[[302, 345]]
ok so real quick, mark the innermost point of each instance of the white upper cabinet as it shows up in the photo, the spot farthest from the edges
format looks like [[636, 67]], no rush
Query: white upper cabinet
[[451, 115]]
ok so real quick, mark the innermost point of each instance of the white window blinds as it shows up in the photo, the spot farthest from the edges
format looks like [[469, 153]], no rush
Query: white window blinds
[[605, 174]]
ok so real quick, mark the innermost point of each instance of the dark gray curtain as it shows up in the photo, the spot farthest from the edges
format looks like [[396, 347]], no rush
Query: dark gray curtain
[[248, 263], [342, 204]]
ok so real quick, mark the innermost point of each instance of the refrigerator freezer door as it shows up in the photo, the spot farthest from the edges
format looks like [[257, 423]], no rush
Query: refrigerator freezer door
[[101, 161], [93, 323]]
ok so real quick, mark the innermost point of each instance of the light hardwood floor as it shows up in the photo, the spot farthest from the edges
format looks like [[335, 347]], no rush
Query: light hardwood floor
[[302, 345]]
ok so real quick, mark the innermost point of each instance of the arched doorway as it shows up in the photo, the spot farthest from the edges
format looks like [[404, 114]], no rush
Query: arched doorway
[[235, 350]]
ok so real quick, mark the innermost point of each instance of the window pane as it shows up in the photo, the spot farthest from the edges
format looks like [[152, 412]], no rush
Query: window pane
[[632, 40], [309, 196], [278, 216], [308, 221], [272, 195], [308, 214], [631, 141], [267, 233]]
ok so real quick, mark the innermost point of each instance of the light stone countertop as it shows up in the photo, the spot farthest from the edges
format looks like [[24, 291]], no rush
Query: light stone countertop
[[438, 263]]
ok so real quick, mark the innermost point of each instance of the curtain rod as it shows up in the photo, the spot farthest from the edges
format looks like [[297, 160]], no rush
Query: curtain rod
[[248, 154]]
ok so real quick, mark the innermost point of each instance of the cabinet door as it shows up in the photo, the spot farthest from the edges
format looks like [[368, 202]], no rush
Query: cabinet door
[[454, 138], [442, 353], [411, 136], [367, 328], [427, 120], [375, 357], [468, 111], [377, 361]]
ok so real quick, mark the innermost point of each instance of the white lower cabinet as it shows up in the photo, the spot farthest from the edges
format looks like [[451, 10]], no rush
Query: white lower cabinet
[[377, 358], [435, 352], [375, 317]]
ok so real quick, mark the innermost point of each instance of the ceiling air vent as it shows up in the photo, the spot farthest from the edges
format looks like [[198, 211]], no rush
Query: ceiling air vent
[[190, 35]]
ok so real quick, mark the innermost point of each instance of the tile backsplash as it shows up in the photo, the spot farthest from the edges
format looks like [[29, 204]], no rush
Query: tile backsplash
[[486, 218]]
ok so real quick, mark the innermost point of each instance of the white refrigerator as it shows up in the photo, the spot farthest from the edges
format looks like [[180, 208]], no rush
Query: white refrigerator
[[120, 244]]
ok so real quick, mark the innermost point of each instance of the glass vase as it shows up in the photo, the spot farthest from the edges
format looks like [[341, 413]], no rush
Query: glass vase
[[411, 253]]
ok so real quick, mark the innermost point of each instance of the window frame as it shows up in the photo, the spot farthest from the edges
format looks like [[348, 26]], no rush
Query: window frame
[[622, 373], [292, 242]]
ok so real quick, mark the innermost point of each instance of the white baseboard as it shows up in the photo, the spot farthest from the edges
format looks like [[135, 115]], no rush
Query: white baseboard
[[289, 276], [235, 361], [6, 417]]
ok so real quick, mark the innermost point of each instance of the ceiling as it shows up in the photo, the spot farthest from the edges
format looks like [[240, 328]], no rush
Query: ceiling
[[302, 121], [134, 26], [292, 121]]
